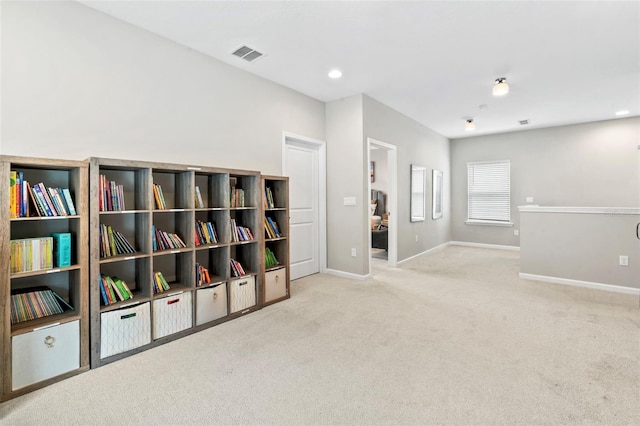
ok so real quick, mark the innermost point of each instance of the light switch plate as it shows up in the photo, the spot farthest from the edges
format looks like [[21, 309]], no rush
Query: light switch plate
[[349, 201]]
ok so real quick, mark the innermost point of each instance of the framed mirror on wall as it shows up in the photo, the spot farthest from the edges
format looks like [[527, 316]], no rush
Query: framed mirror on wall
[[437, 194], [418, 185]]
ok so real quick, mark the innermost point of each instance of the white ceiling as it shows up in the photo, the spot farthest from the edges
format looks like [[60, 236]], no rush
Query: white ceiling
[[566, 62]]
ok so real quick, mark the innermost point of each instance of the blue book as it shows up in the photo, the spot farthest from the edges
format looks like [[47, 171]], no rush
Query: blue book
[[103, 293], [154, 243], [61, 249], [68, 201], [42, 200]]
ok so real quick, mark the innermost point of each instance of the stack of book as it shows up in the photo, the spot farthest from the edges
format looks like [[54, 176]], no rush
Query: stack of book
[[110, 195], [270, 259], [202, 275], [165, 240], [159, 197], [205, 233], [113, 290], [36, 302], [236, 268], [45, 201], [31, 254], [268, 198], [19, 194], [237, 197], [160, 283], [113, 243], [239, 232], [198, 198], [271, 228]]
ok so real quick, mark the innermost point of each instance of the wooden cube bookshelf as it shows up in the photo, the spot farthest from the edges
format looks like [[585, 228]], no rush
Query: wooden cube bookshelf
[[41, 349], [168, 213]]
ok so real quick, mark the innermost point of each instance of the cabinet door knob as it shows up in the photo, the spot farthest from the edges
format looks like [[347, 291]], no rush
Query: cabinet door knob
[[215, 296], [49, 341], [277, 278]]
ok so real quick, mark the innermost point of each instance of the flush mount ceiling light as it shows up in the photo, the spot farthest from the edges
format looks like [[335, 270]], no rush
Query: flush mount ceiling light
[[470, 125], [335, 73], [623, 112], [501, 87]]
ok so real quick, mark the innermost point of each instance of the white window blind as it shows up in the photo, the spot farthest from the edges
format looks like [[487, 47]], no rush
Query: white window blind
[[489, 191]]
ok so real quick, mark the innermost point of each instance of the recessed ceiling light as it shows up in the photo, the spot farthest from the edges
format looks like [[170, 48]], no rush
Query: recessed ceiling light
[[623, 112], [335, 74], [470, 125]]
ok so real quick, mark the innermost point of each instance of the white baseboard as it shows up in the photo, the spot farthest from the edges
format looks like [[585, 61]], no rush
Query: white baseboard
[[481, 245], [431, 250], [346, 274], [577, 283]]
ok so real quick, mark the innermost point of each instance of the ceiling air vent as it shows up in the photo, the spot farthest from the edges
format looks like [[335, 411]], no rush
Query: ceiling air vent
[[247, 53], [523, 122]]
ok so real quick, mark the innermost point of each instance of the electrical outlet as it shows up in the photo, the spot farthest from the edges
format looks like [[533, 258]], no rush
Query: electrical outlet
[[516, 232], [416, 238], [529, 199], [624, 261], [353, 252]]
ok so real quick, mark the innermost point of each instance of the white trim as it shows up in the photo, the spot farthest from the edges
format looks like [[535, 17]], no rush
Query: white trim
[[489, 162], [321, 146], [585, 210], [481, 245], [347, 274], [487, 223], [392, 200], [577, 283], [430, 251]]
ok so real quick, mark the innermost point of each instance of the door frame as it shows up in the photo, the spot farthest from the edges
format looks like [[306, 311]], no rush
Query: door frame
[[392, 199], [321, 147]]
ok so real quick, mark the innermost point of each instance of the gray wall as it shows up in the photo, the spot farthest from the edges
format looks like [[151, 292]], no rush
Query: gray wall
[[345, 178], [594, 164], [420, 145], [78, 83], [579, 246]]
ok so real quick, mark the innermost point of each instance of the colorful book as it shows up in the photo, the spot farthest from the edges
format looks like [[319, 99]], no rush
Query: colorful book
[[69, 201], [198, 198], [13, 199], [61, 249]]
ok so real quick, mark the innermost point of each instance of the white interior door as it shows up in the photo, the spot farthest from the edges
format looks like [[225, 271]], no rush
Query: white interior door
[[301, 164]]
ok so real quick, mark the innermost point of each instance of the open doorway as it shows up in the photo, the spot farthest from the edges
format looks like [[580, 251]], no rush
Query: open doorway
[[382, 191]]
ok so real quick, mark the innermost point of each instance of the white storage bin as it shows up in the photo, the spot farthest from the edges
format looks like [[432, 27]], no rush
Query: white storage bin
[[44, 353], [211, 303], [124, 329], [242, 293], [275, 284], [172, 314]]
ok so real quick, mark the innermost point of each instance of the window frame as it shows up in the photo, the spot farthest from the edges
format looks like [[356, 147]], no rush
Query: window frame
[[487, 220]]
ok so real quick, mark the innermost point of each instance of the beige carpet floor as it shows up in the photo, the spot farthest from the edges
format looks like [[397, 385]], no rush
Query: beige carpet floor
[[450, 338]]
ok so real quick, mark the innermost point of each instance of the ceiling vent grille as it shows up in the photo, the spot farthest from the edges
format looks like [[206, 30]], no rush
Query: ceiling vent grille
[[523, 122], [247, 53]]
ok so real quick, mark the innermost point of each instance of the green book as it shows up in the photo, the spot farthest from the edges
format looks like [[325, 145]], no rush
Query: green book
[[61, 249]]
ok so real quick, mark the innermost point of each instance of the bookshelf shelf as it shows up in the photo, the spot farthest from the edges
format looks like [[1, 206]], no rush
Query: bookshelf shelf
[[17, 275], [20, 328], [124, 304], [53, 299]]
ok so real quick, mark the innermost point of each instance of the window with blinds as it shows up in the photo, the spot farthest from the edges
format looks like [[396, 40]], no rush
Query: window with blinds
[[489, 192]]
